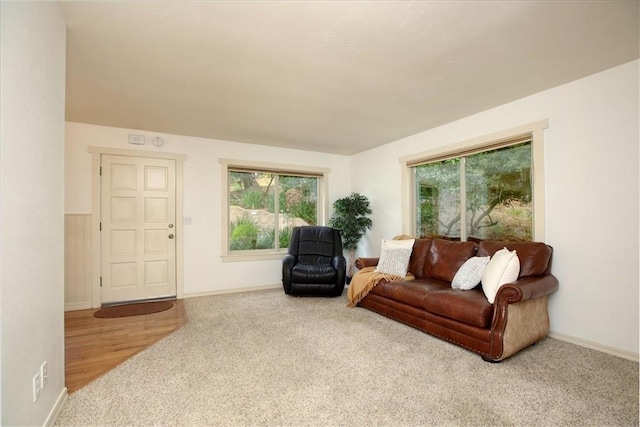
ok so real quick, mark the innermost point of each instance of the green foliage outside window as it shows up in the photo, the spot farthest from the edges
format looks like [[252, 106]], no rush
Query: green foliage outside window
[[252, 199], [305, 210], [267, 238], [253, 196], [498, 195], [244, 234]]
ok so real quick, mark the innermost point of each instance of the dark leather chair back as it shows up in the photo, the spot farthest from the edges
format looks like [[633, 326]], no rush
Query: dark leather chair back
[[315, 245]]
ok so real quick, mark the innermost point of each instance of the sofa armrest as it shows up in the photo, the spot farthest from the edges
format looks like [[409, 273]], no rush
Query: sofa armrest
[[366, 262], [520, 315], [526, 288]]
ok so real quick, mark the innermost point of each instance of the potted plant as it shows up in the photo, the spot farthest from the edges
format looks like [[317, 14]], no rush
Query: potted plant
[[350, 216]]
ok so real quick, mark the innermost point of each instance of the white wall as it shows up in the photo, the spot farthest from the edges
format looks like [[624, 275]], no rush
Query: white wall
[[591, 161], [204, 271], [31, 172], [592, 181]]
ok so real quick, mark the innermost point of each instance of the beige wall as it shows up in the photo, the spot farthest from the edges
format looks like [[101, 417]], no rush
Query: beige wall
[[591, 163], [204, 270], [32, 211]]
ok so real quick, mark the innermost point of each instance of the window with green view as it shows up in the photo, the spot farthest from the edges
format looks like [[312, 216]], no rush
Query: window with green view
[[483, 195], [264, 207]]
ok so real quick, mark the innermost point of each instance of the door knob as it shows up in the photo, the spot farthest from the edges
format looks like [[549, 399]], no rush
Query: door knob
[[171, 236], [170, 225]]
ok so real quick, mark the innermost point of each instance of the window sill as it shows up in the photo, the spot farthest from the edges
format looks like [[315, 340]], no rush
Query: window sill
[[248, 256]]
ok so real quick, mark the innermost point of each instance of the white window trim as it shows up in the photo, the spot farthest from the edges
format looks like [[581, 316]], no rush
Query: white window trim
[[536, 130], [280, 168]]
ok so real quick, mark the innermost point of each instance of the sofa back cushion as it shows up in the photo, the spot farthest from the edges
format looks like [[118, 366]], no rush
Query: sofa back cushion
[[445, 258], [419, 257], [535, 257]]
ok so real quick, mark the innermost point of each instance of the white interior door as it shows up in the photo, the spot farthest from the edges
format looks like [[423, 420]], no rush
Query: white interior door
[[138, 212]]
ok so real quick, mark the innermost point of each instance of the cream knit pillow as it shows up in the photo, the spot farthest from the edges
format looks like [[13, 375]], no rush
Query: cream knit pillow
[[394, 257]]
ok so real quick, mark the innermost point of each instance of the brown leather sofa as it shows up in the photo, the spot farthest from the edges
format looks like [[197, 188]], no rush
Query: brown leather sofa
[[517, 319]]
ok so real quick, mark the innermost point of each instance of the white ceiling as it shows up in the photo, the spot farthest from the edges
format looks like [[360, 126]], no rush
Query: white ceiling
[[329, 76]]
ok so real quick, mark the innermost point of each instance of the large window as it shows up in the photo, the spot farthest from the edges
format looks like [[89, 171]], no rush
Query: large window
[[265, 203], [484, 189], [492, 188]]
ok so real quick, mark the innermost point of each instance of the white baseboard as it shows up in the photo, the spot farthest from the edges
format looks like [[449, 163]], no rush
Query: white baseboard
[[596, 346], [57, 408], [232, 291], [77, 306]]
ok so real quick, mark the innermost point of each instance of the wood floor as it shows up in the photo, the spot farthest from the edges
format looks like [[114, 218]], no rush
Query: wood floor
[[94, 346]]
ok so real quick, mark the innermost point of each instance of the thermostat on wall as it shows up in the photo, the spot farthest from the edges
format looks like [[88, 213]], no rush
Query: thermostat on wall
[[136, 139]]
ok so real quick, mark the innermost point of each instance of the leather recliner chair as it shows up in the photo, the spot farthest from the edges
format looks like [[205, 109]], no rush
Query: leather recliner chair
[[315, 265]]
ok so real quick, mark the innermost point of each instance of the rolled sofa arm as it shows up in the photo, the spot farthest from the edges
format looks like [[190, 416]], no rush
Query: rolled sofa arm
[[366, 262], [526, 288]]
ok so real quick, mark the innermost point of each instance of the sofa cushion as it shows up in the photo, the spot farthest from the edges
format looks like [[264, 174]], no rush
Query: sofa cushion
[[307, 273], [470, 307], [412, 292], [419, 257], [535, 257], [445, 257]]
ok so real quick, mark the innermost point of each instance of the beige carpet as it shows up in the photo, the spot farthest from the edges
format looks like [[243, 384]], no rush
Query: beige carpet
[[263, 358]]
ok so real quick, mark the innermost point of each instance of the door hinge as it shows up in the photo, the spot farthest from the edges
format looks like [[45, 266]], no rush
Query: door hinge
[[100, 281], [100, 226], [100, 170]]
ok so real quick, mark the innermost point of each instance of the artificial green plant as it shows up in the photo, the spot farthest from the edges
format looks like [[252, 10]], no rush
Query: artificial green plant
[[351, 217]]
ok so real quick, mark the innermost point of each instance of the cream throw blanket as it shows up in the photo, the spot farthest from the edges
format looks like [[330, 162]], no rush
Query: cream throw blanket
[[365, 280]]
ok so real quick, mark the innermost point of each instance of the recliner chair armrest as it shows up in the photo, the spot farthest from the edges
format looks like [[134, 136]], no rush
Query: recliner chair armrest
[[340, 264], [288, 262]]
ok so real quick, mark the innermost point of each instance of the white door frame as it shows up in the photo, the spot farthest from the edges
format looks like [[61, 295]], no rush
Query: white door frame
[[96, 154]]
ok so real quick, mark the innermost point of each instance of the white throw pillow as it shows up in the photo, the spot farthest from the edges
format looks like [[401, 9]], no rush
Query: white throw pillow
[[470, 273], [503, 267], [394, 257]]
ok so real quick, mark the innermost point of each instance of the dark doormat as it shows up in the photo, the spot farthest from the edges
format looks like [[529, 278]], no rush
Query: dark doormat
[[136, 309]]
